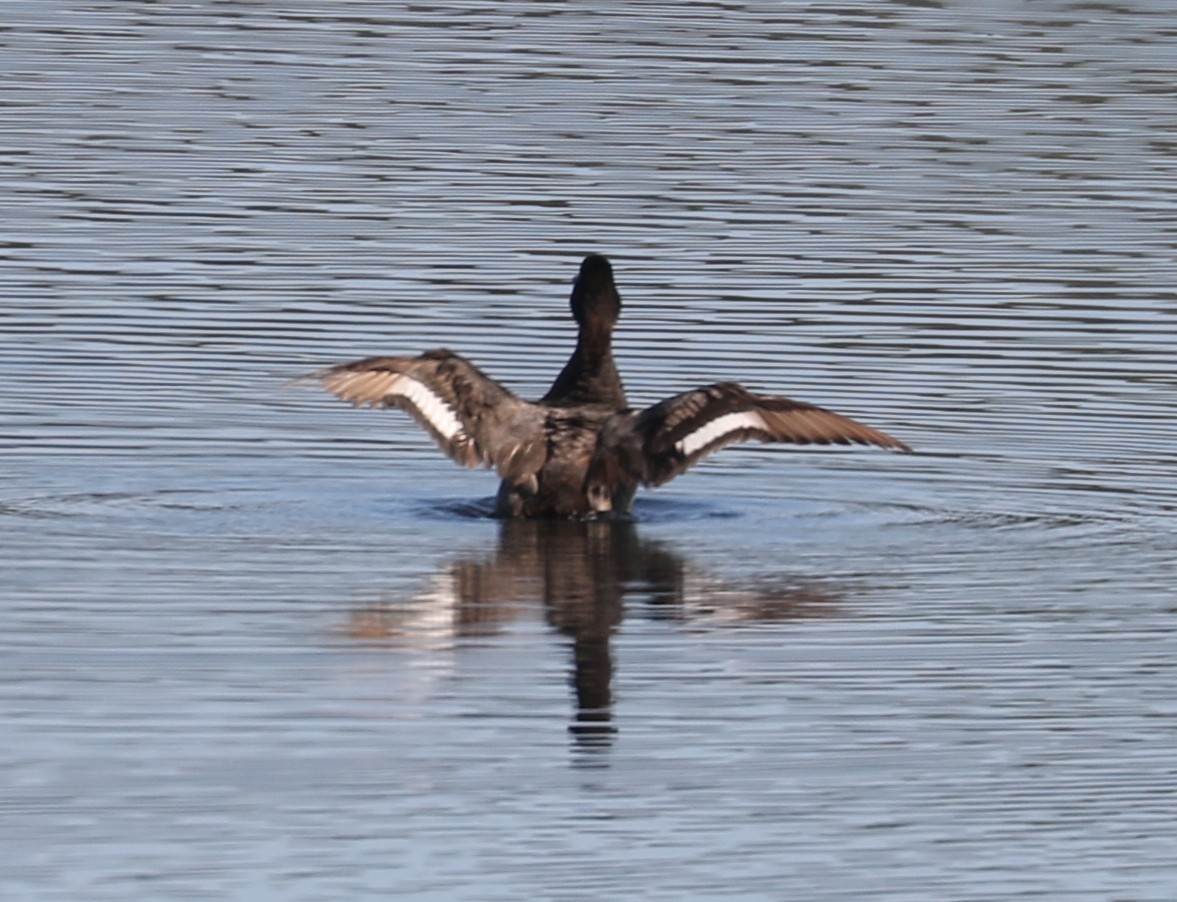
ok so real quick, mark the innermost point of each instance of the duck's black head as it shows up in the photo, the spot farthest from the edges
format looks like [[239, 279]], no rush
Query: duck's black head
[[594, 295]]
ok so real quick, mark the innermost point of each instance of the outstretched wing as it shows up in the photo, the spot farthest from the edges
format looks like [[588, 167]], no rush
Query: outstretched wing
[[680, 431], [473, 419]]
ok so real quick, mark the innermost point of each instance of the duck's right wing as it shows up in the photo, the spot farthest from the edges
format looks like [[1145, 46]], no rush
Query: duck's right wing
[[678, 432], [471, 417]]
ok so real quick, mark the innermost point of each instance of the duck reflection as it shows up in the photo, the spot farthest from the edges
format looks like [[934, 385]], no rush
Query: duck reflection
[[583, 574]]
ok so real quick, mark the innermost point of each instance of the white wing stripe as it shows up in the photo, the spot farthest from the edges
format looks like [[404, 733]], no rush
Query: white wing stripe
[[439, 414], [720, 426]]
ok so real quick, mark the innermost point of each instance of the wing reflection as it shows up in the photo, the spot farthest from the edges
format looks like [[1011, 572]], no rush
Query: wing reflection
[[585, 576]]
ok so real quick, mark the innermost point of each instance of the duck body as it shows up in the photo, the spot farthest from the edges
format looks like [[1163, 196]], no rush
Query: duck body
[[558, 487], [580, 450]]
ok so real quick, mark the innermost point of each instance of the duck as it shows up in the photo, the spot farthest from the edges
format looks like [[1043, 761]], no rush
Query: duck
[[581, 451]]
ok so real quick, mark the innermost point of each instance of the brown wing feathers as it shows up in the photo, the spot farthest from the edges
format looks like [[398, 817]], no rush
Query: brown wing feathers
[[792, 421], [681, 430], [444, 393]]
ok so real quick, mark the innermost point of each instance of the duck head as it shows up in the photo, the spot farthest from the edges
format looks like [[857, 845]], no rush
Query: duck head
[[595, 301]]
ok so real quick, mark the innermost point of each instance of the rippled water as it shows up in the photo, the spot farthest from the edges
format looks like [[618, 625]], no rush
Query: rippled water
[[260, 645]]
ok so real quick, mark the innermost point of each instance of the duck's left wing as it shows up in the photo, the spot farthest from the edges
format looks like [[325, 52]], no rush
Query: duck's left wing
[[471, 417], [680, 431]]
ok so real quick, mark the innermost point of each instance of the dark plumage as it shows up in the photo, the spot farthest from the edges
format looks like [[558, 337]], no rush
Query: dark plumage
[[580, 450]]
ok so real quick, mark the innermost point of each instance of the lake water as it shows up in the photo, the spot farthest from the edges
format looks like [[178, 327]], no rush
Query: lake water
[[259, 645]]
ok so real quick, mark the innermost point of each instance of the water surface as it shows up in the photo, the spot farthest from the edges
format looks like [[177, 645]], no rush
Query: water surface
[[261, 645]]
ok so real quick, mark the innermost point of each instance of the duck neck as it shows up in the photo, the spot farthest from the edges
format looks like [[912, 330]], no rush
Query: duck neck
[[590, 376]]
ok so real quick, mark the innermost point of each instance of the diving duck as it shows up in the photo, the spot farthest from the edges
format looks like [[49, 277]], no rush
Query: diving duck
[[581, 450]]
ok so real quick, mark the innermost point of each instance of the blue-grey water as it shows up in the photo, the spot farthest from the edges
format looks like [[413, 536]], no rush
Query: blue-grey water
[[259, 645]]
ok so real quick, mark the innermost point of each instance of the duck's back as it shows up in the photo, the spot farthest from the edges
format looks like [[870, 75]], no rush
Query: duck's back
[[571, 435]]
